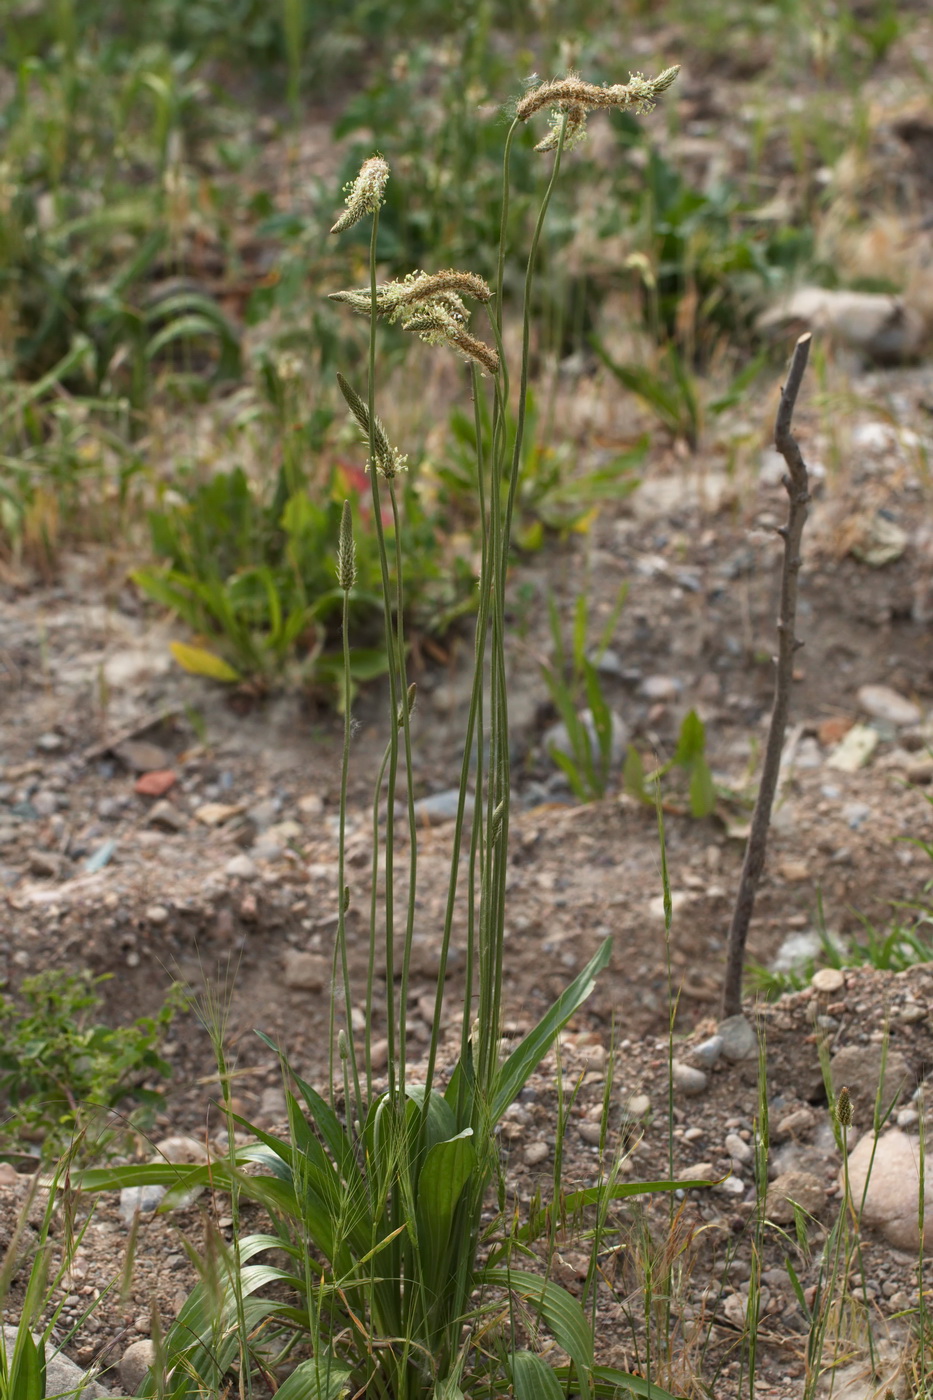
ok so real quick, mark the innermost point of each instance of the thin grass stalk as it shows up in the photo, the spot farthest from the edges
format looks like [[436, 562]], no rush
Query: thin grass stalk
[[500, 764], [404, 716], [672, 1016], [392, 1030], [342, 889], [373, 911], [492, 907], [242, 1332], [474, 733]]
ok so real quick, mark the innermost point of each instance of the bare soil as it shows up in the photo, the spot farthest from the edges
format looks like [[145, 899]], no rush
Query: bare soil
[[84, 668]]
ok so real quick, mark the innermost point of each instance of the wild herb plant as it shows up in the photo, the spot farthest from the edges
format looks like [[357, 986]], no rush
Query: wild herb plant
[[399, 1267], [689, 757], [589, 753], [60, 1067]]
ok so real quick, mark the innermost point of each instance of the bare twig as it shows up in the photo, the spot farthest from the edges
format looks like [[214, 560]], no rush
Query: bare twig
[[796, 483]]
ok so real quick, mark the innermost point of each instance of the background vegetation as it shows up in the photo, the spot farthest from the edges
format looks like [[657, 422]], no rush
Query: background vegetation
[[167, 353]]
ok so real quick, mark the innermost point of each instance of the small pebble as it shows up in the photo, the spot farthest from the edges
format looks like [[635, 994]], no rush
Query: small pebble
[[687, 1079], [707, 1052], [739, 1041], [242, 867], [156, 914], [638, 1105], [591, 1133], [828, 980], [535, 1153], [737, 1148], [701, 1171], [881, 702], [308, 972]]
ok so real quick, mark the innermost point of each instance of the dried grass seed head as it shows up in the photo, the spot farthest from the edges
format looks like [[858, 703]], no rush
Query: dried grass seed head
[[388, 459], [364, 194], [844, 1107], [572, 98], [430, 304]]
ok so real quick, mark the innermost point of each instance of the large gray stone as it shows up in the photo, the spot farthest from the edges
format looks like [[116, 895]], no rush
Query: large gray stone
[[63, 1376], [135, 1362], [859, 1068], [739, 1041], [893, 1194]]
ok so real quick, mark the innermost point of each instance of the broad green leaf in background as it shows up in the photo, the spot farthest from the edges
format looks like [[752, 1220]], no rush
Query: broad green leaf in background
[[201, 662]]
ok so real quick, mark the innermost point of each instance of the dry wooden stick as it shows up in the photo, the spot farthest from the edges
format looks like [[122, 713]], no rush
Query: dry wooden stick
[[796, 483]]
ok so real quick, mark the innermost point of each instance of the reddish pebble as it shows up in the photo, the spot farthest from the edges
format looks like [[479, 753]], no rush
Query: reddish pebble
[[157, 783], [834, 730]]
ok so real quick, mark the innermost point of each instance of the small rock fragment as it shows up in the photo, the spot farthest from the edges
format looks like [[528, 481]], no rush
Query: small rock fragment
[[796, 1124], [166, 816], [242, 867], [882, 702], [739, 1041], [638, 1105], [155, 784], [442, 806], [707, 1052], [591, 1133], [802, 1188], [535, 1153], [180, 1148], [306, 972], [828, 980], [311, 805], [139, 1198], [735, 1307], [688, 1080], [156, 914], [855, 750], [142, 757], [701, 1171], [217, 813], [660, 688], [738, 1149], [833, 730], [46, 864]]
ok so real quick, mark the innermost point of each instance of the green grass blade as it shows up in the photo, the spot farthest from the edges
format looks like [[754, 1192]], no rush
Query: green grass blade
[[533, 1378], [514, 1073]]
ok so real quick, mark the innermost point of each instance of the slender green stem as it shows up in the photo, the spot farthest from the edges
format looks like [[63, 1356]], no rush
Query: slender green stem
[[474, 733], [393, 685], [342, 890], [405, 717], [373, 909]]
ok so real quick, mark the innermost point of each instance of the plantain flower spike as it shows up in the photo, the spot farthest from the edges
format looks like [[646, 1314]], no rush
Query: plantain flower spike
[[346, 551], [572, 98], [844, 1108], [389, 461], [364, 194], [431, 305]]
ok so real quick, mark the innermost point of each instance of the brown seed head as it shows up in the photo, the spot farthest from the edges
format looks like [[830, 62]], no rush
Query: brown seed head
[[571, 95], [346, 551], [844, 1108]]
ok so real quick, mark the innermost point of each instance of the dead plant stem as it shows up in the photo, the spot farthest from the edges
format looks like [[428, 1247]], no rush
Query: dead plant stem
[[796, 483]]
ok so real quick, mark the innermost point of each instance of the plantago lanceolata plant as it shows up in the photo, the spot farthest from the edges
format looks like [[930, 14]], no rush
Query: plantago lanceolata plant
[[393, 1270]]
